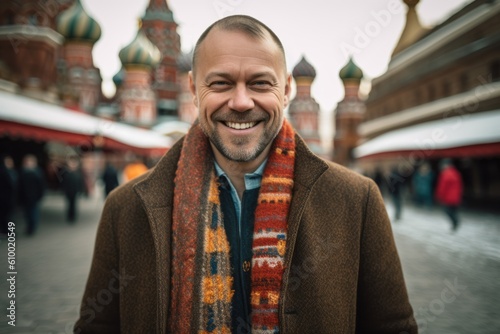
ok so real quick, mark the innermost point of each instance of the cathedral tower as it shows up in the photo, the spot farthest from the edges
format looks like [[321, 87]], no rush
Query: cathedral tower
[[81, 79], [304, 110], [348, 115], [136, 98], [160, 27]]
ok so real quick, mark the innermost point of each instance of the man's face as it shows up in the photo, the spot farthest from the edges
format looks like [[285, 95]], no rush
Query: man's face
[[241, 88]]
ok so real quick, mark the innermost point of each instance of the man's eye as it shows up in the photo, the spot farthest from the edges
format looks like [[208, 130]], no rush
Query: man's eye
[[261, 84], [219, 84]]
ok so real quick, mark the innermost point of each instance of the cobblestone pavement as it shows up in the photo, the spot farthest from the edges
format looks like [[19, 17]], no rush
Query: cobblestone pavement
[[452, 278], [52, 267]]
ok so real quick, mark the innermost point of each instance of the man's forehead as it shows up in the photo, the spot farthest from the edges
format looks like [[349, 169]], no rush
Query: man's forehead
[[222, 42], [222, 36]]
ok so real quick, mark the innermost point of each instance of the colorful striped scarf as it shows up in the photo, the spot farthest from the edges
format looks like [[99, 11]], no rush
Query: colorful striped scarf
[[201, 271]]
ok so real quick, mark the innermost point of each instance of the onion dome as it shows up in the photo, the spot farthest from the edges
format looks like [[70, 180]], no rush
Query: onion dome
[[75, 24], [119, 77], [351, 72], [140, 52], [304, 69], [184, 62]]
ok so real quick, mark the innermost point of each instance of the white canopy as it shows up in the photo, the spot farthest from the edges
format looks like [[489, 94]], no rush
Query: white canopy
[[27, 111], [450, 132]]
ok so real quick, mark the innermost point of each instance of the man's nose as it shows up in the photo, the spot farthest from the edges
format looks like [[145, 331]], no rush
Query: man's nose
[[240, 99]]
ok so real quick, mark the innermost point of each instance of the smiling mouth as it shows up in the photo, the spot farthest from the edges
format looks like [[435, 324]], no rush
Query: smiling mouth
[[240, 126]]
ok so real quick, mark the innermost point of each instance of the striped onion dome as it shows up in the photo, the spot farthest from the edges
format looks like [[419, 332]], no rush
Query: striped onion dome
[[304, 69], [75, 24], [140, 52], [351, 72]]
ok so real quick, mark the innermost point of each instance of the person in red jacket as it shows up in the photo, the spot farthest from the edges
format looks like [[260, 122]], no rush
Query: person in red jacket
[[449, 190]]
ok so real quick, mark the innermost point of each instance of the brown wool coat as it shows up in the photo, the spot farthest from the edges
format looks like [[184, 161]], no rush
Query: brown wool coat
[[342, 275]]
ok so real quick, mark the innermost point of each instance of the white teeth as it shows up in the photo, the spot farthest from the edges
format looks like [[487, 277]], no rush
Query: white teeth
[[240, 126]]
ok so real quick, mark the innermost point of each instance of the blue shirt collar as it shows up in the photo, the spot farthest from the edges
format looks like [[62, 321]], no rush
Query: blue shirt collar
[[252, 180]]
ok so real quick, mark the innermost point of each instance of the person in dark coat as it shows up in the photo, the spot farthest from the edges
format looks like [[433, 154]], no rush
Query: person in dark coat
[[449, 190], [110, 178], [8, 186], [72, 186], [31, 190], [395, 185], [378, 177]]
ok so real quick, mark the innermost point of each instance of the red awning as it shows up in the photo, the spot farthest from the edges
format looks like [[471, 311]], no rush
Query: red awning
[[481, 150]]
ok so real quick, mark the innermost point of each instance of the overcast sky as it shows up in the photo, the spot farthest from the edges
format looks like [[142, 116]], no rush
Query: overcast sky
[[325, 31]]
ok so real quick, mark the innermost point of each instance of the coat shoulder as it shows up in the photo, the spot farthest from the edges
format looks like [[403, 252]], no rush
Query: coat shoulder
[[335, 178], [347, 176], [312, 171]]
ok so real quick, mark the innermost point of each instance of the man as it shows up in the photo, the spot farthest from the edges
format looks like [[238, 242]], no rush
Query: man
[[31, 190], [449, 190], [395, 184], [240, 228], [72, 184], [110, 178]]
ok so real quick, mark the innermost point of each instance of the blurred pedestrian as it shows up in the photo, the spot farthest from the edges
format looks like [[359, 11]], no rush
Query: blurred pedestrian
[[134, 169], [73, 184], [378, 177], [423, 182], [9, 164], [395, 185], [31, 190], [110, 178], [449, 190], [8, 193]]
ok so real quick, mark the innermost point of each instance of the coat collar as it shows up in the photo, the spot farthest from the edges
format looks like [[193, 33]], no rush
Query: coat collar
[[308, 166], [156, 190]]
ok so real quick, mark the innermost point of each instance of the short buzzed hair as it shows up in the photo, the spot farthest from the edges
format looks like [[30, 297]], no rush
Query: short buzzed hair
[[242, 23]]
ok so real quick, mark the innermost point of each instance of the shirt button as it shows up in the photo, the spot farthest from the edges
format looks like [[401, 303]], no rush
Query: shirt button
[[246, 266]]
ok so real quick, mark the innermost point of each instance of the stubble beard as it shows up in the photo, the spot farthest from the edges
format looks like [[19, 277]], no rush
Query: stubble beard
[[235, 151], [239, 149]]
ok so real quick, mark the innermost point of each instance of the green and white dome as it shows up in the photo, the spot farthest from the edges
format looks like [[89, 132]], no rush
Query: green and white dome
[[351, 72], [75, 24], [140, 52]]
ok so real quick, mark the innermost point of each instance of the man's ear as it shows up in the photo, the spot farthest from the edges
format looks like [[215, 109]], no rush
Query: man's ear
[[288, 89], [192, 87]]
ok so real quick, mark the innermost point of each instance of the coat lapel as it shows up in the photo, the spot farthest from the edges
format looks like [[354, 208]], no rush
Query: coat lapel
[[308, 169], [156, 195]]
